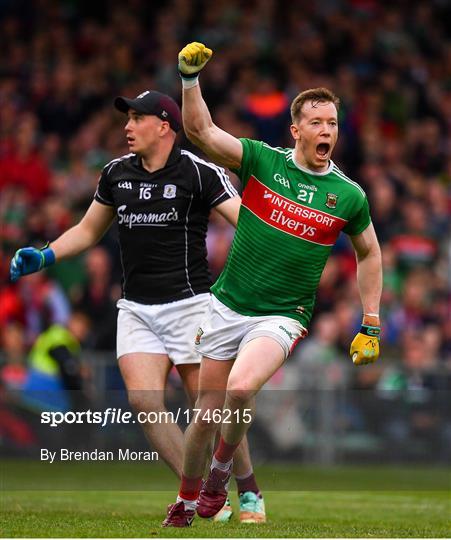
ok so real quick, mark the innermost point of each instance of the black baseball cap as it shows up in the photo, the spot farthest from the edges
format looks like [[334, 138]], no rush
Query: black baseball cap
[[154, 103]]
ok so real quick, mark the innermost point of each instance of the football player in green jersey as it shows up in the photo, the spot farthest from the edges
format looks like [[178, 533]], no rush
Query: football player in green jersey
[[295, 203]]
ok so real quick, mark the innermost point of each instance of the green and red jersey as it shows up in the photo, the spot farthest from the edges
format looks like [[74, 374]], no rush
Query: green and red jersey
[[289, 220]]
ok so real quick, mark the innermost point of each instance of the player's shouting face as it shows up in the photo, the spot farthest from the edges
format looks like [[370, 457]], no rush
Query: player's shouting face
[[143, 132], [315, 132]]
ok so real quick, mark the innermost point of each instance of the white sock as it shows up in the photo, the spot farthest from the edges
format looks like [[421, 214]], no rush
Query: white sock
[[215, 464], [189, 505]]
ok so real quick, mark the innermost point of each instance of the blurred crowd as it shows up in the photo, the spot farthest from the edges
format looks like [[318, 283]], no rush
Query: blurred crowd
[[64, 62]]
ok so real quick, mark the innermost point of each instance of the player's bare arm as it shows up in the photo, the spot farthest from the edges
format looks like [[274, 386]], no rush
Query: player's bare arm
[[230, 209], [86, 233], [365, 346], [369, 269], [219, 145]]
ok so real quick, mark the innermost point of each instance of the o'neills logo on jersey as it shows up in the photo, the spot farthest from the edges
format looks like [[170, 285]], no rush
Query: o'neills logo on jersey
[[291, 217], [131, 219]]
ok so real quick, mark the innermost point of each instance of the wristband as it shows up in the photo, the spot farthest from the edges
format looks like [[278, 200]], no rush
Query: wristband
[[48, 255], [371, 331], [189, 81]]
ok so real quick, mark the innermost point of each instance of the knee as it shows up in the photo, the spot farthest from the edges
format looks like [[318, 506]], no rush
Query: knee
[[146, 401], [207, 420], [207, 416], [240, 392]]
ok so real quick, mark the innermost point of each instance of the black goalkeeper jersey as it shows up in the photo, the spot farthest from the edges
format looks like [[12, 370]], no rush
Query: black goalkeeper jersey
[[162, 220]]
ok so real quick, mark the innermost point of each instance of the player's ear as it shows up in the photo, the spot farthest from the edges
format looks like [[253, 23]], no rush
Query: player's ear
[[295, 133], [164, 128]]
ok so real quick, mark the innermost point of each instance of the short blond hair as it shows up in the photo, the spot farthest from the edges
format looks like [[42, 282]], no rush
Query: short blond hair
[[315, 95]]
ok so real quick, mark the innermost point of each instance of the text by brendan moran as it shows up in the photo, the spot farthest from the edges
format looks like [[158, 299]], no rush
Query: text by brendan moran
[[122, 454]]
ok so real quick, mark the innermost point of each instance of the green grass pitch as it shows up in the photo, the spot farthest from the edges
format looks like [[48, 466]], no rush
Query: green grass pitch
[[333, 503]]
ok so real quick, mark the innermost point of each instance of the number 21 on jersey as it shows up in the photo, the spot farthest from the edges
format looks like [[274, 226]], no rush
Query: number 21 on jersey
[[305, 196]]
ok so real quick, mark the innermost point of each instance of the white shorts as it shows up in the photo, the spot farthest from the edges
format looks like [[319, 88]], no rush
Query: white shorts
[[161, 328], [224, 332]]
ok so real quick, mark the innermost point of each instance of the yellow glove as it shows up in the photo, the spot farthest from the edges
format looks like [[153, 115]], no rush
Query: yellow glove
[[192, 58], [365, 346]]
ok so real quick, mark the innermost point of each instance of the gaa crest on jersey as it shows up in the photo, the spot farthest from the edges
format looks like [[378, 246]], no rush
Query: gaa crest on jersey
[[198, 336], [169, 191], [331, 200]]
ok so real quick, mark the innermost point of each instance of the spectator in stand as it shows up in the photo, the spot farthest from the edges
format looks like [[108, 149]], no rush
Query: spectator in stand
[[13, 368], [21, 163], [44, 302], [414, 244], [55, 374], [267, 109], [98, 298]]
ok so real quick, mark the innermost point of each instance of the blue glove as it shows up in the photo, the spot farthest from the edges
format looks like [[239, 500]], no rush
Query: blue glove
[[29, 260]]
